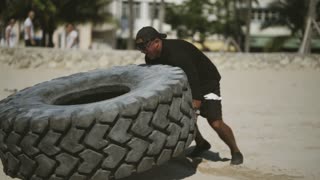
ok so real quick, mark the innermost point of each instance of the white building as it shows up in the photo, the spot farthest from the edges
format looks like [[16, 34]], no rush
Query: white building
[[143, 10], [146, 14], [260, 14], [108, 35]]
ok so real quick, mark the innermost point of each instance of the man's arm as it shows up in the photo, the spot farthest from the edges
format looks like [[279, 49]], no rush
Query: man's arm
[[193, 78], [192, 74], [196, 104]]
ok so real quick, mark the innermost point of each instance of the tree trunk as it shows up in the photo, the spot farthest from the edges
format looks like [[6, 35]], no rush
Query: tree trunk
[[130, 42], [248, 22], [305, 47], [50, 38], [162, 13], [239, 38], [43, 40], [227, 26]]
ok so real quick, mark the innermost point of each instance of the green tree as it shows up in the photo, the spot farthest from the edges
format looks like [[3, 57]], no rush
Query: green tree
[[81, 11], [191, 17], [19, 10], [230, 19], [50, 13], [2, 20], [78, 11], [232, 16], [3, 4], [209, 17]]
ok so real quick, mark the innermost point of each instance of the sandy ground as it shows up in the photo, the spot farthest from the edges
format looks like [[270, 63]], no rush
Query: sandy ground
[[275, 116]]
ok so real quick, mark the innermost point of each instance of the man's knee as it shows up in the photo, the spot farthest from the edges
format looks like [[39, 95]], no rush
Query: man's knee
[[216, 124]]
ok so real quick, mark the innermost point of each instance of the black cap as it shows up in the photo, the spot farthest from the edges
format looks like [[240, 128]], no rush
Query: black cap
[[148, 33]]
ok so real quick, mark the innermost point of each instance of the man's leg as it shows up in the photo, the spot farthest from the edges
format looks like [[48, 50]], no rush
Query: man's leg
[[201, 144], [199, 138], [226, 134]]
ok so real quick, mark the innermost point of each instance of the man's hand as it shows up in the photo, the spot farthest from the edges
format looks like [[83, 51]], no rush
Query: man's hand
[[196, 104]]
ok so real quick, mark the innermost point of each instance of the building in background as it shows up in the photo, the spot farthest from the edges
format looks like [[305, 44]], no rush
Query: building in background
[[146, 13], [261, 39], [113, 35]]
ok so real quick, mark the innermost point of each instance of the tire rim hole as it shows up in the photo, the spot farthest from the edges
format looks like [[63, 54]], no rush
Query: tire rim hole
[[92, 95]]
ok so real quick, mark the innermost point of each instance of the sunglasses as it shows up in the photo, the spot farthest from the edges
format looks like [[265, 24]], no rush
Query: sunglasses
[[143, 46]]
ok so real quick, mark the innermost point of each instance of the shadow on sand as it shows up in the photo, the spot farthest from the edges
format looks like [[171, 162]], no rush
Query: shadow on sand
[[177, 168]]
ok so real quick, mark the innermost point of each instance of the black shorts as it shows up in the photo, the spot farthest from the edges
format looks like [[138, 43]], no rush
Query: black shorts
[[212, 109]]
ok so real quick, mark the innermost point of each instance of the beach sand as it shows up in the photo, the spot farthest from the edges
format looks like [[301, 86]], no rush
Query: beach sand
[[275, 116]]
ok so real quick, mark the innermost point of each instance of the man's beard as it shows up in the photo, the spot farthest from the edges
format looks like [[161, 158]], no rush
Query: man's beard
[[153, 56]]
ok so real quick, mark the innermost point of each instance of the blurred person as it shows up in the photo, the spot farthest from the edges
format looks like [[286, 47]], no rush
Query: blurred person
[[29, 30], [72, 37], [2, 35], [10, 34], [204, 80]]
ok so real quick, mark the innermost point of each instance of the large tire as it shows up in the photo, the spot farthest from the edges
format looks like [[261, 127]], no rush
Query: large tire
[[99, 125]]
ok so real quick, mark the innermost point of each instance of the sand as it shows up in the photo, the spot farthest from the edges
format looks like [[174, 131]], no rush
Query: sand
[[274, 114]]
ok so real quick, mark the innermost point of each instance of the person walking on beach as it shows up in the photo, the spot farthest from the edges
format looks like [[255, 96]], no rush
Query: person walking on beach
[[72, 37], [29, 30], [204, 80], [11, 36]]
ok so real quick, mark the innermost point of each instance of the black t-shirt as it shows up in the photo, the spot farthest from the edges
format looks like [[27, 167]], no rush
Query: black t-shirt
[[202, 74]]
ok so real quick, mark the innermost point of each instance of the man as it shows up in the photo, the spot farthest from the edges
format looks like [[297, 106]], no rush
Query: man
[[28, 30], [72, 37], [203, 78], [10, 34]]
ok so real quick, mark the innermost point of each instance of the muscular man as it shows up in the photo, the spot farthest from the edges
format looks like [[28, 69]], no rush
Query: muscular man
[[204, 80]]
